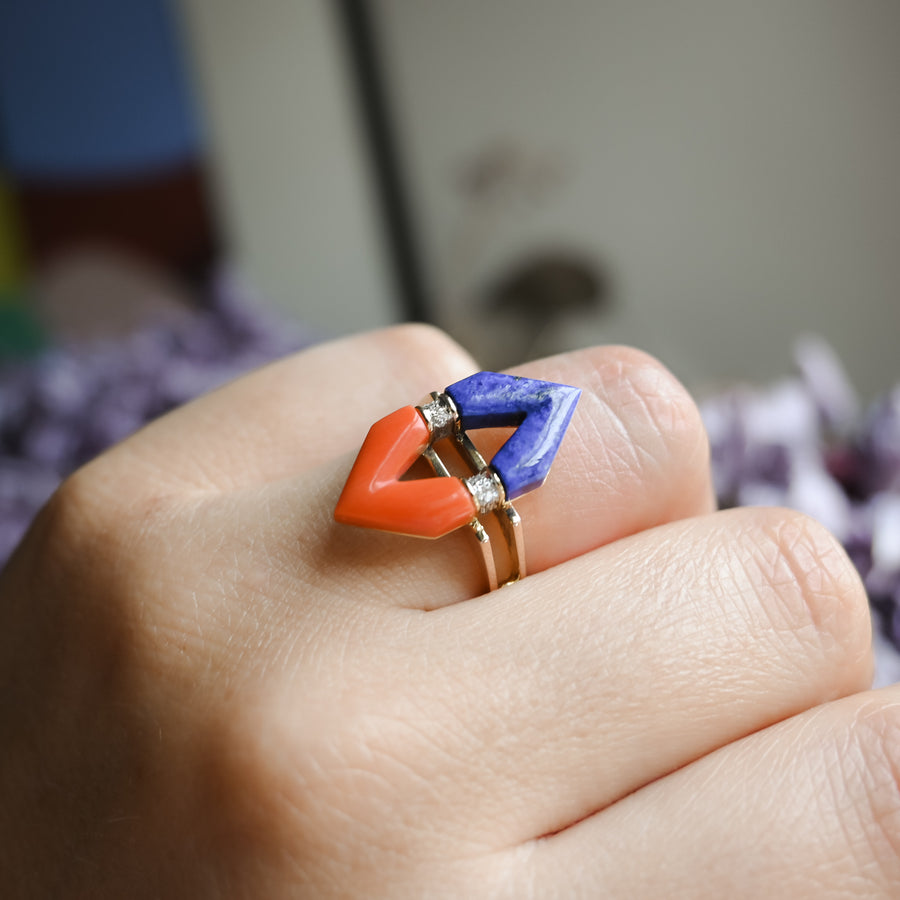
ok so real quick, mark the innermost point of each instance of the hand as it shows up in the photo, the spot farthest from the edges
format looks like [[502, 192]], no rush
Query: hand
[[210, 689]]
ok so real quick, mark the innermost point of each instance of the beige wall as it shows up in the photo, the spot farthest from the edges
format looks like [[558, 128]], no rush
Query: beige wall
[[735, 164], [290, 172]]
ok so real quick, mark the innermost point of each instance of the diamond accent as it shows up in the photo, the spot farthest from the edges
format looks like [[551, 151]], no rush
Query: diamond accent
[[440, 414], [487, 490]]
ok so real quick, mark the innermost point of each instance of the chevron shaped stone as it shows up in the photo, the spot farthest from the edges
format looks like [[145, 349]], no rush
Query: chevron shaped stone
[[375, 497], [540, 411]]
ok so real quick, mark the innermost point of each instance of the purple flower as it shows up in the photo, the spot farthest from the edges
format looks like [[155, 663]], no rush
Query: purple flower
[[62, 409], [802, 443]]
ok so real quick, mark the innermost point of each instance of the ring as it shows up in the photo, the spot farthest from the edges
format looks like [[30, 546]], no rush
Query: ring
[[468, 491]]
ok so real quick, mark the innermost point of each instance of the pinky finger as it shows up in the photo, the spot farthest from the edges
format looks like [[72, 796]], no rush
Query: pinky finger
[[809, 808]]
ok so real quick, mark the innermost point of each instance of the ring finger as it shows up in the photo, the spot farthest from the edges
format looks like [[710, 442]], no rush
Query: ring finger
[[635, 456]]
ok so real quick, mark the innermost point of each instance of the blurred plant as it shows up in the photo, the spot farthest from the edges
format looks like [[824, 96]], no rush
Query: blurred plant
[[544, 289], [502, 187], [505, 173]]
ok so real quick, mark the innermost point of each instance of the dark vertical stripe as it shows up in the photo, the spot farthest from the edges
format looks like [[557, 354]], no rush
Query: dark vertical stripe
[[368, 75]]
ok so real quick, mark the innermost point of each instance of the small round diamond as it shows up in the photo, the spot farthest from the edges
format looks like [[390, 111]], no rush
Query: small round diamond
[[440, 416], [487, 491]]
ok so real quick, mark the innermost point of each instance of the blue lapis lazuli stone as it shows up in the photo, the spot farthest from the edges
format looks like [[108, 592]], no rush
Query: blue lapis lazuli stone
[[540, 410]]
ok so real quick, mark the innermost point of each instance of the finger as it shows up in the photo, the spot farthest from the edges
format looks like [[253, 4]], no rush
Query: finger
[[807, 809], [634, 456], [564, 694], [296, 413], [637, 447]]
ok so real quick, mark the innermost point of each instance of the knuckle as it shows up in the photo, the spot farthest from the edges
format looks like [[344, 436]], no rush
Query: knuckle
[[809, 589], [81, 515], [82, 619], [875, 807], [304, 775], [96, 541], [96, 514], [667, 399], [424, 350], [245, 759], [659, 414]]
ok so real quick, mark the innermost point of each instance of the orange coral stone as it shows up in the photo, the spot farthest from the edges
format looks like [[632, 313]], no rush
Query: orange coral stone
[[374, 496]]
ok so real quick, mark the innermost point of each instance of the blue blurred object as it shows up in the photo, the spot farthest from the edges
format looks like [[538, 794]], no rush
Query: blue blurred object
[[92, 89]]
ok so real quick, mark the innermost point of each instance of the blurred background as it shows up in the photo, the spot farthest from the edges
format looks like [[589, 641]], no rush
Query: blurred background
[[705, 179], [191, 187]]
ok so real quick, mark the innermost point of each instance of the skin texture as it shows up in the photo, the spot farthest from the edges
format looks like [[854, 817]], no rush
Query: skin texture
[[208, 688]]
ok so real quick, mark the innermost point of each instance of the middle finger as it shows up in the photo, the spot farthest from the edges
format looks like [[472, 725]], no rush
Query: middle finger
[[635, 456], [568, 691]]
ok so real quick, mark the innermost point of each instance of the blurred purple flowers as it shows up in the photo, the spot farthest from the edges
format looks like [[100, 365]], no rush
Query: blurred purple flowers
[[62, 409], [804, 443]]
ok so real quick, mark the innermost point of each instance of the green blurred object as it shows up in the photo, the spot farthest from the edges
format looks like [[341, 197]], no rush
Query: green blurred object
[[21, 335]]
